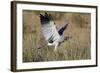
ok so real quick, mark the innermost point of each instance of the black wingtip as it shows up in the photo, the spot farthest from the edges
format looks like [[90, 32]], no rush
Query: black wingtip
[[45, 18], [40, 15], [66, 25]]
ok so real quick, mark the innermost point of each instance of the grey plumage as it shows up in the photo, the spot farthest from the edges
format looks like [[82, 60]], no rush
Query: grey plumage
[[51, 34]]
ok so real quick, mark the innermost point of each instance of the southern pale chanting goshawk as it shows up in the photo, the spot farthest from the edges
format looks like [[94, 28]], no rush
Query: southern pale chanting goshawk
[[53, 36]]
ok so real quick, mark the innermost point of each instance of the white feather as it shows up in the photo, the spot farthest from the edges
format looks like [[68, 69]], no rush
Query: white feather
[[50, 30]]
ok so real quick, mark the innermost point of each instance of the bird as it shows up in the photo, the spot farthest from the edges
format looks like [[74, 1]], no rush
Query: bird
[[53, 36]]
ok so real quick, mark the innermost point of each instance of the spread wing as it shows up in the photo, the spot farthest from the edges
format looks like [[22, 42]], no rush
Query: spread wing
[[62, 29], [48, 28]]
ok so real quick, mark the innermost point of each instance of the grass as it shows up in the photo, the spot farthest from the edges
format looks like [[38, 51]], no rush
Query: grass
[[77, 47]]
